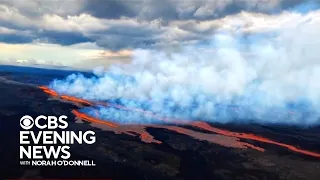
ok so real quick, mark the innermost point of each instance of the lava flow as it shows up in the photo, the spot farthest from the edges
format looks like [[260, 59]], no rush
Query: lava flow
[[148, 138], [228, 138], [207, 127], [91, 119]]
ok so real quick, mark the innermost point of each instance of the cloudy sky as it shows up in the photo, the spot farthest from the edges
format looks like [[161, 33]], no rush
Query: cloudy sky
[[89, 33]]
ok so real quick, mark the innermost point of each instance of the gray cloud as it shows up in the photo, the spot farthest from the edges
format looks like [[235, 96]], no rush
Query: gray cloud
[[116, 42], [111, 9], [126, 24], [151, 9], [174, 10], [63, 38], [36, 8], [15, 38]]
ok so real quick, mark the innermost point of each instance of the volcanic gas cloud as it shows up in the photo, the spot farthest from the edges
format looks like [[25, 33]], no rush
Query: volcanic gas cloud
[[236, 77], [265, 78]]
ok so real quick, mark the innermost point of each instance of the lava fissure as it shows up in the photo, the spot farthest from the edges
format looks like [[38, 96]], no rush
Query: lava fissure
[[233, 140]]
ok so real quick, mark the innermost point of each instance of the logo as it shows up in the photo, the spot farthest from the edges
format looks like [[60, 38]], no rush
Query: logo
[[26, 122], [47, 146]]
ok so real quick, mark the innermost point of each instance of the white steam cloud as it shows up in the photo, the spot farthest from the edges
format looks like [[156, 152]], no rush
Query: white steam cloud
[[262, 78]]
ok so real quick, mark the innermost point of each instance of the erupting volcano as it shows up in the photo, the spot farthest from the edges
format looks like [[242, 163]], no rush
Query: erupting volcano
[[169, 90], [214, 135]]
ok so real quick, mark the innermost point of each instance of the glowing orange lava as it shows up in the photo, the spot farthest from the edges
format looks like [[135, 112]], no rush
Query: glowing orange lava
[[48, 91], [76, 100], [91, 119], [206, 126], [146, 137], [65, 97]]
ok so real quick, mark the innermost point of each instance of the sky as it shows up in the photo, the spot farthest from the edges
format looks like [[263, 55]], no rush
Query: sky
[[89, 33]]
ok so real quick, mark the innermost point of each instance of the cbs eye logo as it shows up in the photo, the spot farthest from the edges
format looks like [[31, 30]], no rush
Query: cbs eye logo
[[26, 122]]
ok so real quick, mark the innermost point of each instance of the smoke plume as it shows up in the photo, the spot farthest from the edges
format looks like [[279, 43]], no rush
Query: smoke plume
[[267, 78]]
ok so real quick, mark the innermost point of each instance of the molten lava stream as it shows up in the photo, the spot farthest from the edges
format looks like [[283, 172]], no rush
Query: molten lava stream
[[91, 119], [76, 100], [206, 126], [148, 138], [198, 124], [48, 91], [65, 97]]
